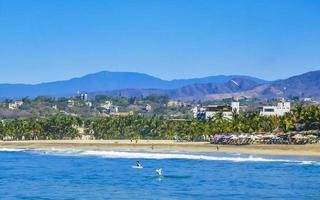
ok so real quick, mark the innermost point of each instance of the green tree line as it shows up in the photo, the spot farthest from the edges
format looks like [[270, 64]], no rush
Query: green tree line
[[159, 127]]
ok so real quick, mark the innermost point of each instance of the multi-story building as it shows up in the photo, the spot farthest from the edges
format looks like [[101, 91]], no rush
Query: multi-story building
[[279, 110], [210, 111], [83, 96]]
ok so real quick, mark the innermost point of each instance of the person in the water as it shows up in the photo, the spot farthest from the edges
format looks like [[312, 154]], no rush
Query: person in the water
[[138, 164], [159, 172]]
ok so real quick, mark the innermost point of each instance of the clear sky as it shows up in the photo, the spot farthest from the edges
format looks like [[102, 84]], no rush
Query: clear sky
[[45, 40]]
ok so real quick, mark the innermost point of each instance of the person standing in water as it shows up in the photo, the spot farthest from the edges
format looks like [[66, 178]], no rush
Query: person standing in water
[[159, 172]]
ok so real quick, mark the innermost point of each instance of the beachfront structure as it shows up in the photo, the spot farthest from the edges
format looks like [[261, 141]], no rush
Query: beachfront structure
[[279, 110], [15, 105], [208, 112]]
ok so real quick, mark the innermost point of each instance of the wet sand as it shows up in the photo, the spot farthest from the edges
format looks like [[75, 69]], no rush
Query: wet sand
[[165, 145]]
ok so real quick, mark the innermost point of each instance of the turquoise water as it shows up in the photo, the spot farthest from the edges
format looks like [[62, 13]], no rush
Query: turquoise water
[[68, 174]]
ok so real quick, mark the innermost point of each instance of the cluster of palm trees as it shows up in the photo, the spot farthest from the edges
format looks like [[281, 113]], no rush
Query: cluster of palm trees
[[160, 127], [54, 127]]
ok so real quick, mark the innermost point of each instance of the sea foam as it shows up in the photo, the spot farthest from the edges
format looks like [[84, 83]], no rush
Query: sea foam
[[170, 155], [11, 150]]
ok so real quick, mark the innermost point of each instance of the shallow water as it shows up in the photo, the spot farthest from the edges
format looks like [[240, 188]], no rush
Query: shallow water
[[71, 174]]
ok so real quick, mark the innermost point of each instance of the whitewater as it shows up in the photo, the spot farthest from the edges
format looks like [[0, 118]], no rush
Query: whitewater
[[169, 155]]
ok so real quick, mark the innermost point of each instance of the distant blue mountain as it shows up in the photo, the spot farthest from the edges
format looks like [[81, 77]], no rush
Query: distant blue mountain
[[107, 81], [195, 91], [212, 79], [301, 86]]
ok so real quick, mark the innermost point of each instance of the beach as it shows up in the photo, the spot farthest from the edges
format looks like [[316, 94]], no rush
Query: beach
[[165, 145]]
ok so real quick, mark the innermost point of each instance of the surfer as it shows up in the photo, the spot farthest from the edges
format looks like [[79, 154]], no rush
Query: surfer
[[138, 164], [159, 172]]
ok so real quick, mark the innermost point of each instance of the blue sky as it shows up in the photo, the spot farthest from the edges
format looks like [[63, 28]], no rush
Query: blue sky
[[44, 40]]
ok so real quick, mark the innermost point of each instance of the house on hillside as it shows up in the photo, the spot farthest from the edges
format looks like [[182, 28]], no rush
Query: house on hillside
[[108, 107], [15, 105], [208, 112], [148, 108], [174, 103], [307, 99], [279, 110], [70, 103], [88, 103]]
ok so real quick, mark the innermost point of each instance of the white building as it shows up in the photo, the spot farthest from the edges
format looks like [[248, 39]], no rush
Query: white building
[[195, 111], [83, 96], [70, 103], [307, 99], [115, 109], [88, 103], [148, 108], [279, 110], [210, 111], [15, 105], [106, 105], [174, 103]]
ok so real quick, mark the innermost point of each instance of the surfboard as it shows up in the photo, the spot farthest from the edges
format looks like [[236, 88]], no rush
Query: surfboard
[[137, 167]]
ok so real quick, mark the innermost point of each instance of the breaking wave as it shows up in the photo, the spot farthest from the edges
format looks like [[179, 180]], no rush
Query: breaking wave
[[166, 155], [11, 150]]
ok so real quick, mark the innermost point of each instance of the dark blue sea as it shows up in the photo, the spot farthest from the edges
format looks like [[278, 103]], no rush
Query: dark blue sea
[[75, 174]]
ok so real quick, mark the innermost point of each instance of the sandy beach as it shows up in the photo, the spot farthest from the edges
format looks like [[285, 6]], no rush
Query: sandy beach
[[166, 145]]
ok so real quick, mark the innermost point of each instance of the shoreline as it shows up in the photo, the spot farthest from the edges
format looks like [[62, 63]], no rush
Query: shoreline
[[165, 146]]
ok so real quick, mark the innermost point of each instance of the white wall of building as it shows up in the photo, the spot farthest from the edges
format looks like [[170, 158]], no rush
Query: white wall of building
[[211, 114], [15, 105], [279, 110]]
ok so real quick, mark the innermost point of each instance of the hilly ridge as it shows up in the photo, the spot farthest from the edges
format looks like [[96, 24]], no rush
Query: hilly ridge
[[130, 84], [304, 85], [193, 91], [106, 81]]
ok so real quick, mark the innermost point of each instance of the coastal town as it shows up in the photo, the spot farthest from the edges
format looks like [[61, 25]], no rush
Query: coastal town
[[228, 121], [102, 106], [159, 100]]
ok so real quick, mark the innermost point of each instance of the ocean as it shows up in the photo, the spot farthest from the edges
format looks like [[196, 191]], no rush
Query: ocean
[[87, 174]]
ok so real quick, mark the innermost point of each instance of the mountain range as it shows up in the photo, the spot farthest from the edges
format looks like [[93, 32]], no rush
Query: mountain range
[[136, 84]]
